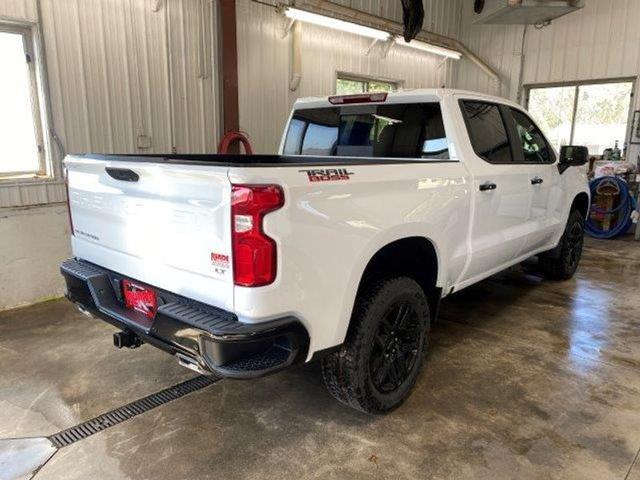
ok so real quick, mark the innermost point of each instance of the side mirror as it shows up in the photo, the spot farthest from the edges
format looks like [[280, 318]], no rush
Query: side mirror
[[572, 156]]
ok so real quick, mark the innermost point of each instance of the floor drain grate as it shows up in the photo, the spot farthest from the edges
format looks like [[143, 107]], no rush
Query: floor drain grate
[[121, 414]]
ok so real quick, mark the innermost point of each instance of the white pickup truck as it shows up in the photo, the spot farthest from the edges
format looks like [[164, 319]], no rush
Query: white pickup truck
[[340, 247]]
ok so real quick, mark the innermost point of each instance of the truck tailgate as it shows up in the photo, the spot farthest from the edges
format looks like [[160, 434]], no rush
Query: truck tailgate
[[167, 225]]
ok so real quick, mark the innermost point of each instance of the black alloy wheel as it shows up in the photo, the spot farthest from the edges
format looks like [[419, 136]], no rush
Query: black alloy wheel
[[562, 262], [397, 342], [574, 243], [379, 362]]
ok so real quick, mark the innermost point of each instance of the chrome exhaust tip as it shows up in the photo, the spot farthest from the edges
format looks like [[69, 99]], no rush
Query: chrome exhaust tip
[[83, 310], [191, 364]]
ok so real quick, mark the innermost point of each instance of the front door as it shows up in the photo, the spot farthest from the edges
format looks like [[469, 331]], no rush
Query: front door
[[502, 192], [545, 215]]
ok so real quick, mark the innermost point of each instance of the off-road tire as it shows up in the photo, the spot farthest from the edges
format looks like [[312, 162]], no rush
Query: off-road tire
[[563, 265], [347, 373]]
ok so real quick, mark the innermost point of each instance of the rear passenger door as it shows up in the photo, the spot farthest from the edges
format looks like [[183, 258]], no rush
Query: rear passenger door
[[501, 190], [531, 148]]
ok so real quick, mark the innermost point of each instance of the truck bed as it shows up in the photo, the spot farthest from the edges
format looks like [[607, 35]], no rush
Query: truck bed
[[252, 160]]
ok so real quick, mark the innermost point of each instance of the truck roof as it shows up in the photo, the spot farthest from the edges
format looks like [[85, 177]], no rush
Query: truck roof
[[409, 95]]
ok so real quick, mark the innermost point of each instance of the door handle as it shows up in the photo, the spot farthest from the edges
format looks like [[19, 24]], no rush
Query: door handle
[[536, 181], [124, 174], [488, 186]]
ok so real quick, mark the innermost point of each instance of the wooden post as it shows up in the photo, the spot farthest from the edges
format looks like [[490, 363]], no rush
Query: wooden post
[[229, 47]]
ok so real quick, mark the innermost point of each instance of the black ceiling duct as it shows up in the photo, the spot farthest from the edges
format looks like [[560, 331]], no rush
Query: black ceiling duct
[[412, 17]]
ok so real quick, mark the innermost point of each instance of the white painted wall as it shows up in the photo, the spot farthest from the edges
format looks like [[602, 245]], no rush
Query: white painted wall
[[33, 242]]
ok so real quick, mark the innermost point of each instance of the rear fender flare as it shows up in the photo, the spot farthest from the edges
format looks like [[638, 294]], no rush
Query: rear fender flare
[[375, 245]]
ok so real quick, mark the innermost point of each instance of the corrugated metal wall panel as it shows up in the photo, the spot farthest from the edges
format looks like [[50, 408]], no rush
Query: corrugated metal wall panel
[[192, 76], [382, 8], [66, 79], [326, 52], [150, 64], [599, 41], [263, 74], [10, 195], [443, 17], [440, 16], [118, 70], [131, 69], [264, 68], [499, 45], [20, 10]]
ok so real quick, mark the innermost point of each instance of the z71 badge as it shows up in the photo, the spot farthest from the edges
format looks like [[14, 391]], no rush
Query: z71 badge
[[327, 174]]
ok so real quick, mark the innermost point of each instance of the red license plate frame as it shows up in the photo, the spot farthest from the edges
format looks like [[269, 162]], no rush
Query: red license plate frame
[[140, 298]]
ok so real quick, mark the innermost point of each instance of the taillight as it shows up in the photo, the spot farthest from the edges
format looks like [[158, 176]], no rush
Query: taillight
[[254, 253], [66, 186]]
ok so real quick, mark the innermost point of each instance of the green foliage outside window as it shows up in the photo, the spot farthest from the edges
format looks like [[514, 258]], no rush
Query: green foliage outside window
[[345, 86], [601, 114]]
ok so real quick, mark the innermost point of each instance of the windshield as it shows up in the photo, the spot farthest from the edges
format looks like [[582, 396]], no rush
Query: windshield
[[411, 130]]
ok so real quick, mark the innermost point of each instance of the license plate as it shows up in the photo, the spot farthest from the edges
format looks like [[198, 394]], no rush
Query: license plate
[[140, 298]]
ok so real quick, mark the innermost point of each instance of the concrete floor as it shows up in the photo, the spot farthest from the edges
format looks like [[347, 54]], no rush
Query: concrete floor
[[525, 379]]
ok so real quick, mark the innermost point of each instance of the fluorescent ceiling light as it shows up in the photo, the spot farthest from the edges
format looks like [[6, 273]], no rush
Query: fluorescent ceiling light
[[336, 24], [427, 47]]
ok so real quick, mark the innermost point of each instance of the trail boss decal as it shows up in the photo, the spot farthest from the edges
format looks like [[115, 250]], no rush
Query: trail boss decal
[[328, 174]]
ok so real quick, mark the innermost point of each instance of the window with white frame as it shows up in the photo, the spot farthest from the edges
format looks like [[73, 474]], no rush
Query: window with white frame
[[591, 114], [21, 140], [349, 84]]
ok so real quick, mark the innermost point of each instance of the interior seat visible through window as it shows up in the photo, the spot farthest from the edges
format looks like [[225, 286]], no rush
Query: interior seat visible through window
[[411, 130], [534, 146]]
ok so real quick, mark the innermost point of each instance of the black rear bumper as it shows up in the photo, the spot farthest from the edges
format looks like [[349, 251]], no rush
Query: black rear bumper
[[203, 337]]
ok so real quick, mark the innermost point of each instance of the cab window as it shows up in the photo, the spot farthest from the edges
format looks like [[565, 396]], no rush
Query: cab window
[[487, 131], [530, 140], [412, 130]]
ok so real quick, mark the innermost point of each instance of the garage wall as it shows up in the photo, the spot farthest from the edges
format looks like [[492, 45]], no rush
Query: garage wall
[[120, 75], [440, 16], [600, 41], [123, 78], [33, 241], [135, 73], [264, 62], [25, 10]]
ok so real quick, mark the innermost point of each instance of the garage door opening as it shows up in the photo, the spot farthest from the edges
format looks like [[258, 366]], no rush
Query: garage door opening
[[592, 114]]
